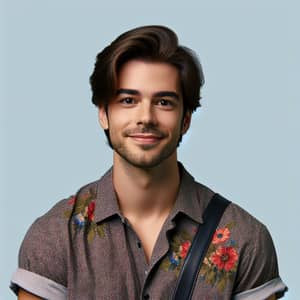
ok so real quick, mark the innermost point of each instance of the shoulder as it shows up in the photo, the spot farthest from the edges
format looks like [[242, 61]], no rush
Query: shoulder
[[241, 255], [57, 218], [248, 225], [255, 254], [45, 254], [250, 236], [247, 229], [243, 249], [44, 250]]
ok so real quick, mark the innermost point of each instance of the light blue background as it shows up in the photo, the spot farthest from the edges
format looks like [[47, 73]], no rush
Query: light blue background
[[244, 141]]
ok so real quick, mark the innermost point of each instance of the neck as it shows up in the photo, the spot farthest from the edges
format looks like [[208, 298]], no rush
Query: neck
[[146, 193]]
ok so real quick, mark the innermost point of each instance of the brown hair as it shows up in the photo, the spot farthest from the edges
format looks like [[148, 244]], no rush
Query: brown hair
[[150, 43]]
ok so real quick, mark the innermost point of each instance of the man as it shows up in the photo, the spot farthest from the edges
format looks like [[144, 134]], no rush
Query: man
[[127, 235]]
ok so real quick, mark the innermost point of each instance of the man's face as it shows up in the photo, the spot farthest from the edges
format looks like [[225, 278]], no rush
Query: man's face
[[145, 118]]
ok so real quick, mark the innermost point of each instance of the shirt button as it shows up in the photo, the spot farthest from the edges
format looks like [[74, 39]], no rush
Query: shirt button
[[139, 244], [146, 297]]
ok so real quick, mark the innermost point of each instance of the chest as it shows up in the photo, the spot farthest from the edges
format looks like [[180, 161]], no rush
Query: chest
[[112, 263], [147, 233]]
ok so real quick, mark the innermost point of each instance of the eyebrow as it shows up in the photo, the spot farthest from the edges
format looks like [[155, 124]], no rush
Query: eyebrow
[[127, 91], [167, 94], [158, 94]]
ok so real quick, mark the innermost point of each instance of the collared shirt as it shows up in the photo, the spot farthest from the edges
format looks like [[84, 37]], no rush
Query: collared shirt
[[84, 248]]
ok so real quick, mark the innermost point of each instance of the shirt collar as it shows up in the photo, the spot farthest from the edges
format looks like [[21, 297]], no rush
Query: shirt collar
[[187, 202], [188, 199], [106, 199]]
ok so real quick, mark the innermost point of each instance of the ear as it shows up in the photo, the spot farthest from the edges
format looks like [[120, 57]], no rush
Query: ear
[[186, 122], [102, 116]]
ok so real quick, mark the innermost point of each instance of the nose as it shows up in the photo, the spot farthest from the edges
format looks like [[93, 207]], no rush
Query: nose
[[146, 114]]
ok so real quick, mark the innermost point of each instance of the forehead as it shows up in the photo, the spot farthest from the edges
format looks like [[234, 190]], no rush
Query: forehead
[[148, 76]]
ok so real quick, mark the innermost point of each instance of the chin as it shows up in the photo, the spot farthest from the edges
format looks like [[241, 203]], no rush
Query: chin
[[143, 161], [145, 158], [144, 164]]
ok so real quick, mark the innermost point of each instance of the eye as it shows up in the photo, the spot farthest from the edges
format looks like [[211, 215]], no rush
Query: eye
[[127, 101], [165, 103]]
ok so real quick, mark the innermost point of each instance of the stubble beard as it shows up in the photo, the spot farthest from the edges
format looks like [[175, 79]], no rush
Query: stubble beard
[[144, 159]]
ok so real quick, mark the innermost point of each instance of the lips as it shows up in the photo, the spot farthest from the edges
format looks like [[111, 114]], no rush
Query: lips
[[145, 138], [144, 132]]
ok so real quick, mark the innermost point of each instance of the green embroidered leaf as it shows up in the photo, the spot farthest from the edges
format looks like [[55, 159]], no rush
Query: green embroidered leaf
[[221, 284], [68, 214], [230, 225], [85, 197], [177, 272], [91, 235], [211, 248], [175, 245], [88, 201], [204, 269], [82, 202], [176, 241], [165, 264], [93, 226], [211, 276], [84, 216], [100, 230], [79, 208], [185, 236], [88, 197]]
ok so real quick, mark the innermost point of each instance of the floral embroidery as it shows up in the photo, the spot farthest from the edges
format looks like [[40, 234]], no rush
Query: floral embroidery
[[224, 258], [82, 215], [179, 249], [184, 248], [220, 263], [221, 235]]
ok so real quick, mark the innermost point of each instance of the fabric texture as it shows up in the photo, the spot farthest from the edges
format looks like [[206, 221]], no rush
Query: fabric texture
[[38, 285], [85, 245]]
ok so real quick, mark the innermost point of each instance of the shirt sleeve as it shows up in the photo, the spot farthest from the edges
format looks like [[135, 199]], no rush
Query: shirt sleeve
[[258, 276], [42, 261]]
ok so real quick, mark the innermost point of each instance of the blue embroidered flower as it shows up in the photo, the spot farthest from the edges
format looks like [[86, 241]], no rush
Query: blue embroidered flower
[[178, 250], [174, 259], [82, 214], [79, 220]]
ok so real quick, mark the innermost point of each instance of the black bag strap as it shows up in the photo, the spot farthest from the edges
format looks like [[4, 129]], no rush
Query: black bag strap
[[193, 261]]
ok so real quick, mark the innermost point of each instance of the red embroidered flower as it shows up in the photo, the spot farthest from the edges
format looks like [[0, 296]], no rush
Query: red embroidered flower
[[224, 258], [71, 200], [221, 235], [184, 248], [90, 212]]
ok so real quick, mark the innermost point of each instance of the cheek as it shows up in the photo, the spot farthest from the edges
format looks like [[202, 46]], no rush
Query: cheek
[[171, 122], [118, 120]]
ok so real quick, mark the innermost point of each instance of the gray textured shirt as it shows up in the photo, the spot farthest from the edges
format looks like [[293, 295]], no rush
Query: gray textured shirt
[[84, 248]]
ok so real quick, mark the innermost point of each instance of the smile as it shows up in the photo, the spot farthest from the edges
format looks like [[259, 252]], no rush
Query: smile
[[145, 138]]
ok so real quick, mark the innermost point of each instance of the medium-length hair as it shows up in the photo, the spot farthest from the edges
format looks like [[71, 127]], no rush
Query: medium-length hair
[[149, 43]]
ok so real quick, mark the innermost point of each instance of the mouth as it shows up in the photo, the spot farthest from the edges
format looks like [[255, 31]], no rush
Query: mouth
[[143, 138]]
